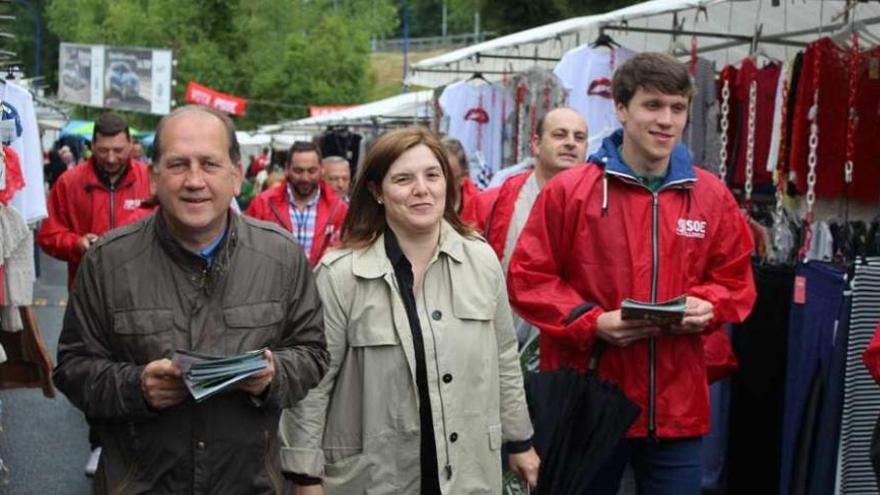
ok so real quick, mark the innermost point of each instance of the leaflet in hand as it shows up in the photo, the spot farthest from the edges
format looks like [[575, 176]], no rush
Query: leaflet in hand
[[662, 313], [205, 375]]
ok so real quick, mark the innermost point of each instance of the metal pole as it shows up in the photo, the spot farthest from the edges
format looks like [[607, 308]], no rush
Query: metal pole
[[445, 20], [403, 86]]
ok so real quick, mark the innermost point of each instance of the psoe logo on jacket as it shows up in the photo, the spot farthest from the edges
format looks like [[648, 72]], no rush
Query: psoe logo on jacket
[[131, 204], [691, 228]]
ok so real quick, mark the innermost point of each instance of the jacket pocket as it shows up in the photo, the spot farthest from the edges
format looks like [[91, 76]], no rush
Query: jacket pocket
[[373, 335], [144, 334], [494, 437], [252, 326]]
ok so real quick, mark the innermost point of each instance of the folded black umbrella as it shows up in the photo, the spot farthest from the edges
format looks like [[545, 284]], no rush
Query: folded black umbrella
[[579, 419]]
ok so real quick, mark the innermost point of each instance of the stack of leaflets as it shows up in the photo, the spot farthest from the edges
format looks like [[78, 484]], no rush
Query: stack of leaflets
[[206, 375], [663, 313]]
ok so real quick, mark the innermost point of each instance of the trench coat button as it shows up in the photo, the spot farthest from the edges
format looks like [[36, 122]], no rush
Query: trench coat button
[[447, 378], [453, 437], [201, 445], [436, 315]]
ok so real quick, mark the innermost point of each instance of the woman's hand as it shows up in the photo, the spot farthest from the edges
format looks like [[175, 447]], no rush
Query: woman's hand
[[525, 465]]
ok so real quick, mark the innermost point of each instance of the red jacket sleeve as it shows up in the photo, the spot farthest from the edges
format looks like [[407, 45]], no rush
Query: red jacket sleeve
[[871, 357], [476, 211], [728, 283], [56, 235], [259, 209], [537, 291]]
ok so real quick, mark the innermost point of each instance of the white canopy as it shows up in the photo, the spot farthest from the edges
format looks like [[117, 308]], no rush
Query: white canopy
[[407, 106], [725, 31]]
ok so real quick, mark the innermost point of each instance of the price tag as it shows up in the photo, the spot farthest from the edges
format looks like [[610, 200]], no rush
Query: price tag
[[800, 290]]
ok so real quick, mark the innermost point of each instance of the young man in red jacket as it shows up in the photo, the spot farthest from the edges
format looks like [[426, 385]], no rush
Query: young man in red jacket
[[304, 204], [100, 194], [641, 222]]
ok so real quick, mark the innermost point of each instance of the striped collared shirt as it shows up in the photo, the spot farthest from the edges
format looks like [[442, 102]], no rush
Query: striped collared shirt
[[303, 221]]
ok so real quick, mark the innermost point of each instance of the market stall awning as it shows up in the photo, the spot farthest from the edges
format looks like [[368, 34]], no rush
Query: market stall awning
[[726, 31], [414, 106]]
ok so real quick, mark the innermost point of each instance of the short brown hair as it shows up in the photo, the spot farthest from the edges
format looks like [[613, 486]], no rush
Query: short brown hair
[[110, 124], [366, 217], [651, 71], [302, 147]]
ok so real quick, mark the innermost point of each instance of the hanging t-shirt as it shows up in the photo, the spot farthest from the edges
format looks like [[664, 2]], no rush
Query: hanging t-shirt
[[832, 115], [728, 76], [475, 115], [586, 73], [19, 104], [866, 165], [767, 83], [702, 134]]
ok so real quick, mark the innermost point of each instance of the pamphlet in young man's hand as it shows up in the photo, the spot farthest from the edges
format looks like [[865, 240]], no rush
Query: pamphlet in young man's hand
[[205, 375], [662, 313]]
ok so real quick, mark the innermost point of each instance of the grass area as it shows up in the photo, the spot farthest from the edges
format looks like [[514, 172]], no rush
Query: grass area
[[388, 69]]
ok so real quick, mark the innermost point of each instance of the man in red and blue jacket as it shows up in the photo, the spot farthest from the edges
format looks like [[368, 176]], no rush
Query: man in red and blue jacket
[[641, 222], [102, 193], [304, 205]]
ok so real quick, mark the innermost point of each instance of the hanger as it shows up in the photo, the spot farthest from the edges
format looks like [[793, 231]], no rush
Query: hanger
[[477, 76], [604, 40]]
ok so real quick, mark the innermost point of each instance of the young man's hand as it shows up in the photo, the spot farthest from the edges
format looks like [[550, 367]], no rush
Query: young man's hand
[[162, 385], [698, 314], [612, 329]]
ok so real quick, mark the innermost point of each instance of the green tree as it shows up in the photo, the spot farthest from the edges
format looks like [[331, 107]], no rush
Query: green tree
[[282, 55]]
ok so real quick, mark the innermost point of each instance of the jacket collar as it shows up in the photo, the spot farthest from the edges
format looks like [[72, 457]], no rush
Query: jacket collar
[[681, 165], [103, 178], [211, 273], [372, 262]]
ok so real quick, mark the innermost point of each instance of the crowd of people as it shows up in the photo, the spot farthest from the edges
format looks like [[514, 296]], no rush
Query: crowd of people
[[390, 312]]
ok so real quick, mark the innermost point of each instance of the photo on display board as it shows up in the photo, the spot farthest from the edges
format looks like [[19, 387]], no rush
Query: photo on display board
[[76, 74], [128, 79]]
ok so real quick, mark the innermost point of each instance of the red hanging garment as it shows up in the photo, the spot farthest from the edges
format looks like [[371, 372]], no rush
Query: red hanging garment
[[14, 176]]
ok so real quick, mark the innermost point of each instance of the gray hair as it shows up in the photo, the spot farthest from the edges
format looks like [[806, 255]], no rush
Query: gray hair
[[334, 159], [234, 149]]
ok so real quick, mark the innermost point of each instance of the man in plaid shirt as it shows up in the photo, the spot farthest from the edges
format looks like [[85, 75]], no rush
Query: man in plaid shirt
[[304, 205]]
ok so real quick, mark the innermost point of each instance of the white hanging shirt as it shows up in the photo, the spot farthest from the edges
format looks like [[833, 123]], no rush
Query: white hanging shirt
[[586, 73], [475, 116], [31, 200]]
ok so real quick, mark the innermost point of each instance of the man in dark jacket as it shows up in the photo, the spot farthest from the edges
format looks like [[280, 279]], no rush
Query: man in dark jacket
[[192, 276]]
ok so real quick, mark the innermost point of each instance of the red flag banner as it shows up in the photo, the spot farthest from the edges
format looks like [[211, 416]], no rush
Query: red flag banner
[[317, 110], [203, 95]]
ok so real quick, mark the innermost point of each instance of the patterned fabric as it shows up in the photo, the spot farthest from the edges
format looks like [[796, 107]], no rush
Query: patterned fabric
[[303, 221]]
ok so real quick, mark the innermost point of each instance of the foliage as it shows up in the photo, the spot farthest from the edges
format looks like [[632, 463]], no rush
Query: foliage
[[282, 55]]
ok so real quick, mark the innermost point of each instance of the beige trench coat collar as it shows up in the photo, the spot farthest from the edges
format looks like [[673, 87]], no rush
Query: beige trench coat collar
[[373, 263]]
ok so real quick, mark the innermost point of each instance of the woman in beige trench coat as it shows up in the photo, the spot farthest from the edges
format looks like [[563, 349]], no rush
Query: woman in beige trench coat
[[424, 383]]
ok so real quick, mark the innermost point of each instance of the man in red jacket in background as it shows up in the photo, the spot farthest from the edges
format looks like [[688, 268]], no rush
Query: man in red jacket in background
[[304, 204], [100, 194], [641, 222]]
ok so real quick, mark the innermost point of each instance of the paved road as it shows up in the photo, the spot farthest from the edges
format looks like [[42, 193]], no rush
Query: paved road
[[44, 442]]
